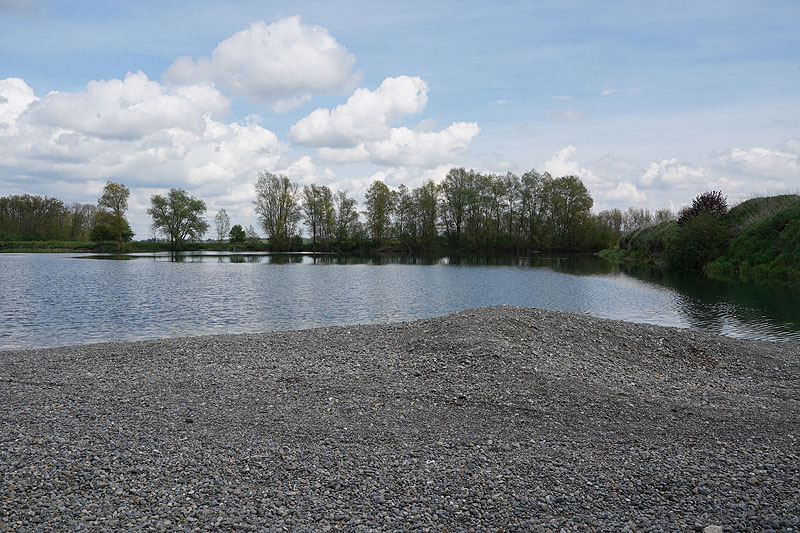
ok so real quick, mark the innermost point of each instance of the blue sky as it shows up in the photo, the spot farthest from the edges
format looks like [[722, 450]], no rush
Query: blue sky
[[649, 103]]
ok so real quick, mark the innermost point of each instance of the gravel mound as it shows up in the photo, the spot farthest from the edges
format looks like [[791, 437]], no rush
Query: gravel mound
[[500, 418]]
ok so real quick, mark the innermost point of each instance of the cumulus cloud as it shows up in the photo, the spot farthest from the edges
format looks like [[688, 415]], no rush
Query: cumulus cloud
[[130, 108], [344, 155], [624, 194], [361, 129], [778, 167], [564, 163], [147, 135], [366, 115], [673, 173], [280, 63], [407, 147], [15, 97], [411, 177], [737, 172], [611, 181]]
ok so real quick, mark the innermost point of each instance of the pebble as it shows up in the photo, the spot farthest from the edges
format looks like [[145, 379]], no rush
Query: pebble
[[501, 418]]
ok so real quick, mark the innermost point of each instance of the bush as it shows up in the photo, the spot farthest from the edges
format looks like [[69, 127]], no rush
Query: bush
[[648, 244], [699, 241], [711, 203], [237, 234]]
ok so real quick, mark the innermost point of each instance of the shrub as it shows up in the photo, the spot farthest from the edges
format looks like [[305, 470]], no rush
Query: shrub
[[712, 203], [700, 240]]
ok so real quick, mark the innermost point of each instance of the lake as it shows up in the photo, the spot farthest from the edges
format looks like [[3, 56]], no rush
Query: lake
[[62, 299]]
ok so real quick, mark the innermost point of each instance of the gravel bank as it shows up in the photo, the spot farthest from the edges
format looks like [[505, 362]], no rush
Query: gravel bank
[[499, 418]]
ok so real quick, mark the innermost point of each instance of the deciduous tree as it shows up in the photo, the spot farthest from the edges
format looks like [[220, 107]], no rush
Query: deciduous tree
[[380, 206], [178, 216], [278, 209], [113, 203], [223, 223], [346, 213]]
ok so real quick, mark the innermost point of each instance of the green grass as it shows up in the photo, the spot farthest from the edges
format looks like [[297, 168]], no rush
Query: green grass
[[47, 246], [763, 240], [769, 246], [648, 244]]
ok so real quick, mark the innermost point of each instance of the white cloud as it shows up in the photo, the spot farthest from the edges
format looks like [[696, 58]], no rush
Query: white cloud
[[366, 115], [499, 102], [344, 155], [737, 172], [304, 171], [284, 106], [563, 163], [360, 129], [411, 177], [130, 108], [15, 97], [281, 63], [674, 174], [624, 194], [147, 135], [610, 180], [780, 165], [407, 147], [426, 126]]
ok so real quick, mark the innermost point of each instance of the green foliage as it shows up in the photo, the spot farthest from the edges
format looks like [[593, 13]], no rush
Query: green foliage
[[711, 203], [319, 214], [760, 236], [32, 218], [237, 234], [278, 208], [698, 241], [380, 206], [647, 244], [178, 216], [111, 211], [768, 246], [347, 222], [223, 224], [109, 228], [755, 210]]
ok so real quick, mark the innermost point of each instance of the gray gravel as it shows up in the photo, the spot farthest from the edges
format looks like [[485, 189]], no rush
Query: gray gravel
[[499, 418]]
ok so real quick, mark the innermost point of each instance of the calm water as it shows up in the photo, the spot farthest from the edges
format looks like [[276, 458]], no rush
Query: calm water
[[61, 299]]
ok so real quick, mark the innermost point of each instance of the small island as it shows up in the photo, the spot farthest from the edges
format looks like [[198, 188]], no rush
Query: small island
[[491, 418]]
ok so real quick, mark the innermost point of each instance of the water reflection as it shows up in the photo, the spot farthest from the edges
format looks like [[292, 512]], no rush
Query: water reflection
[[61, 299], [733, 306], [581, 264]]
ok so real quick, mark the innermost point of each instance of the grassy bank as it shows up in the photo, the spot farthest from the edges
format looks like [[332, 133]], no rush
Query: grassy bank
[[128, 247], [759, 237]]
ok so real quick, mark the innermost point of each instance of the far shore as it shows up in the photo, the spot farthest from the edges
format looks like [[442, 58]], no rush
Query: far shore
[[497, 418]]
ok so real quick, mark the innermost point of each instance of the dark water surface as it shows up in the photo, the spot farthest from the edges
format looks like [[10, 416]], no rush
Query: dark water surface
[[62, 299]]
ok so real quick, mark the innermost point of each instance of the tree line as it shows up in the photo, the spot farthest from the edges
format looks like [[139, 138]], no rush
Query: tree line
[[27, 217], [468, 211]]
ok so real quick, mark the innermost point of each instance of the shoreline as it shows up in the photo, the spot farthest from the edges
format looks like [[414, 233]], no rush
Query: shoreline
[[490, 418]]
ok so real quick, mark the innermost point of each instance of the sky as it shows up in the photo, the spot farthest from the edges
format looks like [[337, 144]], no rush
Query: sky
[[649, 103]]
